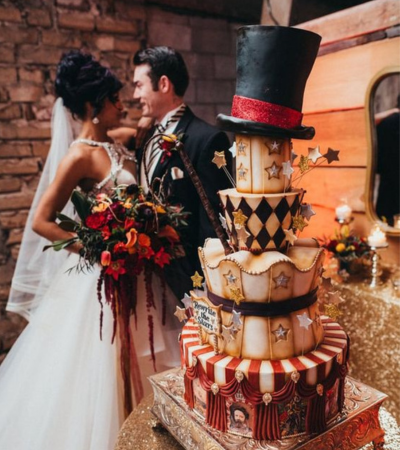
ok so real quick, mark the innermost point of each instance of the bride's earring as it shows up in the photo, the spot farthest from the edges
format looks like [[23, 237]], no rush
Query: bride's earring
[[95, 120]]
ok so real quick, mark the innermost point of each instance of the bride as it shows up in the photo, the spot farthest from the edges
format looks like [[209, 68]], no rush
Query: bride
[[60, 385]]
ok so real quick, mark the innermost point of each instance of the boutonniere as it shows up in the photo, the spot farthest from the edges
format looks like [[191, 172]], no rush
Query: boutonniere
[[169, 144]]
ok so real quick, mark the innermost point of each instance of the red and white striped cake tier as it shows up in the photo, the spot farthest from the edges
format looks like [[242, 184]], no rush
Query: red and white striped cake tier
[[265, 375]]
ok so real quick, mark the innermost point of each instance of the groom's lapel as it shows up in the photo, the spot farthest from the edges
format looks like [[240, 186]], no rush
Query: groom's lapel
[[181, 127]]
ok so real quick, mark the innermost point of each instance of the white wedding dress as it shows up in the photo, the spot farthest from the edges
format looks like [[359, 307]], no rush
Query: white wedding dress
[[60, 385]]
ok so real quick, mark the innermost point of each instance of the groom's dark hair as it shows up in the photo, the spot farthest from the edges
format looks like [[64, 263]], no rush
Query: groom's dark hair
[[164, 61]]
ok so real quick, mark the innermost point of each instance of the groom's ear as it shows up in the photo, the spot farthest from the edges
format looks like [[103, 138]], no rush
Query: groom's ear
[[164, 84]]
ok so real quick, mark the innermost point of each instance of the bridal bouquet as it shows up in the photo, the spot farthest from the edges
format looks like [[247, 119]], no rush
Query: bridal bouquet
[[126, 235]]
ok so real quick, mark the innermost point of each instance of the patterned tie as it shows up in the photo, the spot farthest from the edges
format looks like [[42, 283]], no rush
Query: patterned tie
[[156, 144]]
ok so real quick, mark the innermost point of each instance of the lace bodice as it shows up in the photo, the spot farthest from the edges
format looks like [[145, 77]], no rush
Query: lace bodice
[[118, 154]]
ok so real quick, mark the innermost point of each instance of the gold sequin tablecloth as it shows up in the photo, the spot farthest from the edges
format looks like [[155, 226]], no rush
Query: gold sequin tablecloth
[[138, 433], [371, 318]]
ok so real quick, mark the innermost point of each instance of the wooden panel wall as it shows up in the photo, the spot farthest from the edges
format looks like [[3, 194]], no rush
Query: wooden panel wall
[[334, 104]]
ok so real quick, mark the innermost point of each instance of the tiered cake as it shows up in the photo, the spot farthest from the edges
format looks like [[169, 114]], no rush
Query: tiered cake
[[259, 358]]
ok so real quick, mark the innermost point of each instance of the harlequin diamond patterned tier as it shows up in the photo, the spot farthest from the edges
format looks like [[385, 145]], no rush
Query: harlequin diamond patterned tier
[[257, 222]]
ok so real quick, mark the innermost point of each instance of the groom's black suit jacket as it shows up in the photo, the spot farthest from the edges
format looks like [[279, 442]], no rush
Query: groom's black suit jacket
[[200, 140]]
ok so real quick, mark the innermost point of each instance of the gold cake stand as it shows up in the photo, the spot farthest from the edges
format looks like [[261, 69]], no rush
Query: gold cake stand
[[357, 426]]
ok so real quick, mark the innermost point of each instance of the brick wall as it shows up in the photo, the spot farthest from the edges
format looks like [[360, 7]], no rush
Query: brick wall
[[33, 35]]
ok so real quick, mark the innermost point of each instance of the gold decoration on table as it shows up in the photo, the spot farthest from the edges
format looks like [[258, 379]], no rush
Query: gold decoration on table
[[303, 164], [197, 279]]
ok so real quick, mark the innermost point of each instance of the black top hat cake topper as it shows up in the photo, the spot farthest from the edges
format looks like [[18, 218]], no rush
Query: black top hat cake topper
[[273, 64]]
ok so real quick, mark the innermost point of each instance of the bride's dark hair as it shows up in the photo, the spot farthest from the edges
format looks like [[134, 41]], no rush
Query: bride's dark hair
[[80, 79]]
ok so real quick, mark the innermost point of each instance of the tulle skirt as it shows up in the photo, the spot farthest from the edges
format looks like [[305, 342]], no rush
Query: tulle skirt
[[60, 385]]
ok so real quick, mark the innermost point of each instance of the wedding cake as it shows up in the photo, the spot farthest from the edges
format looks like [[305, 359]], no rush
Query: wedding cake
[[259, 358]]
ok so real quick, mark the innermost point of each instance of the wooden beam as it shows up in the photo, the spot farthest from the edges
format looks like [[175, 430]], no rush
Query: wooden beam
[[362, 19]]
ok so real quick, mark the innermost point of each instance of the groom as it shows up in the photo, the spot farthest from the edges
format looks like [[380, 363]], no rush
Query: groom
[[160, 82]]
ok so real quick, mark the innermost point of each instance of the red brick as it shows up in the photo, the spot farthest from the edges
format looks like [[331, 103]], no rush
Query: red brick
[[41, 149], [18, 35], [15, 237], [10, 14], [176, 36], [214, 91], [110, 25], [4, 97], [15, 149], [39, 17], [205, 112], [19, 166], [16, 201], [6, 272], [70, 2], [8, 75], [13, 219], [10, 112], [7, 53], [163, 17], [212, 41], [25, 92], [60, 39], [23, 131], [32, 75], [129, 10], [199, 66], [105, 43], [14, 252], [42, 54], [80, 21], [225, 67], [9, 184], [124, 45]]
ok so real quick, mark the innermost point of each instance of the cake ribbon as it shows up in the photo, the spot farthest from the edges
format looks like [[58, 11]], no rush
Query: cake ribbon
[[271, 309]]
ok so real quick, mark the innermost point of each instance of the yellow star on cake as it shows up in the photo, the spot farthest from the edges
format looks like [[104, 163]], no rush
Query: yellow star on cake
[[303, 164], [239, 219], [299, 223], [236, 295], [197, 279], [180, 313], [290, 236], [219, 159]]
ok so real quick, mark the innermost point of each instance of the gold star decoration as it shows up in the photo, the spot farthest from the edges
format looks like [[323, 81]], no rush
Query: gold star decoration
[[239, 219], [180, 313], [241, 147], [273, 146], [197, 279], [303, 164], [281, 280], [230, 278], [299, 223], [242, 171], [219, 159], [273, 171], [290, 236], [236, 295], [281, 333], [314, 154], [332, 311]]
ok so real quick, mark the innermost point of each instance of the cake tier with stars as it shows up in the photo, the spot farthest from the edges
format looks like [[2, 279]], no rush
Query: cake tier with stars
[[267, 302], [263, 164], [274, 398], [261, 222]]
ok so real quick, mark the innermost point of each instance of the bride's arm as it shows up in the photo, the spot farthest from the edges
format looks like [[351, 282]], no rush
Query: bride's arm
[[72, 169]]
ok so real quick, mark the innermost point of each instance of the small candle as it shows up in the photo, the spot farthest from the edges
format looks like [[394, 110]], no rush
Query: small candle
[[377, 238], [396, 221], [343, 212]]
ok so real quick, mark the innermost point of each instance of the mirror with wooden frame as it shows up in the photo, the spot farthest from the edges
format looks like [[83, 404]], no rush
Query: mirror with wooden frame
[[382, 190]]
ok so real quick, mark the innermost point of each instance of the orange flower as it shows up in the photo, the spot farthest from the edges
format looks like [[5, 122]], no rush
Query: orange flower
[[169, 233], [119, 247], [144, 240], [116, 268], [145, 252], [132, 236], [105, 258]]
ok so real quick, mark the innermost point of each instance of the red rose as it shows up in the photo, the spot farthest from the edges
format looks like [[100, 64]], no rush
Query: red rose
[[96, 221]]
